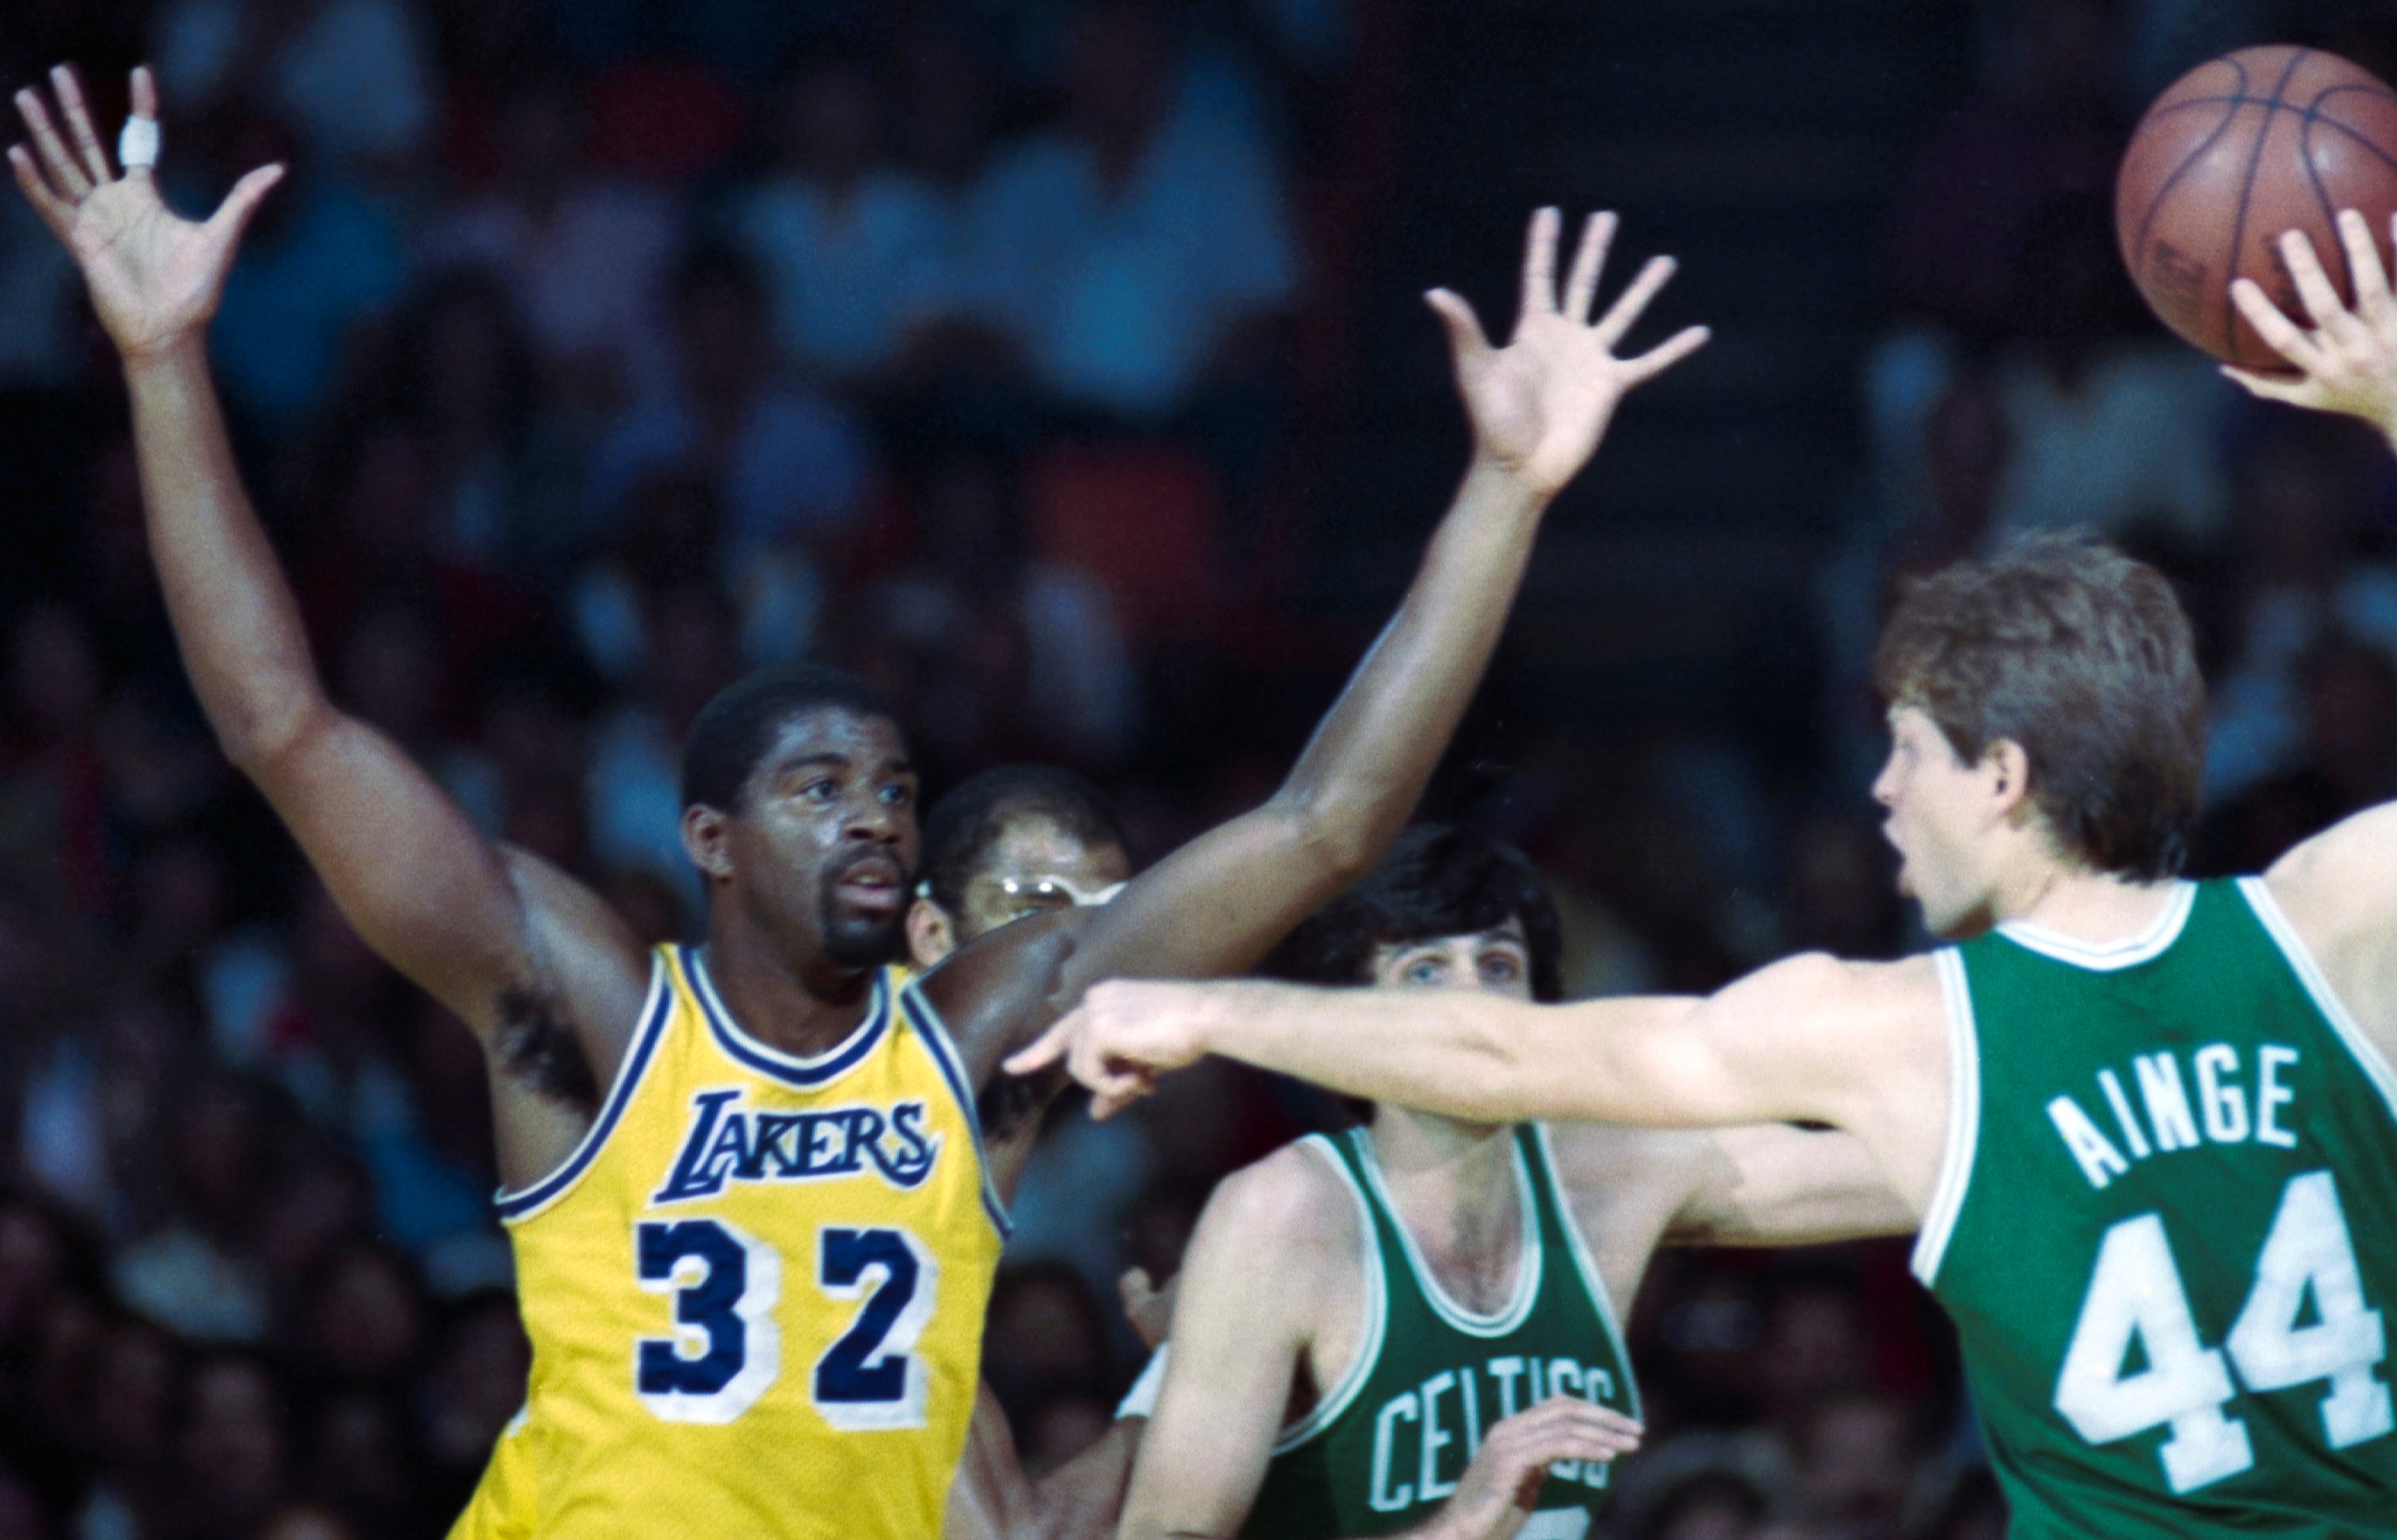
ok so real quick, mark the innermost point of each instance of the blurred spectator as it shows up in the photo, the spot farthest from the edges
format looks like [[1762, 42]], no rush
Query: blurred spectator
[[848, 242], [2048, 125], [1126, 252], [635, 786], [2107, 432], [999, 654], [503, 482], [583, 251], [352, 77], [787, 466], [2302, 570], [234, 1447], [318, 258], [196, 1272]]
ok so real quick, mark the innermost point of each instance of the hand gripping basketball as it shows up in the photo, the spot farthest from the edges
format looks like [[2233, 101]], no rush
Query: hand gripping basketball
[[2347, 361]]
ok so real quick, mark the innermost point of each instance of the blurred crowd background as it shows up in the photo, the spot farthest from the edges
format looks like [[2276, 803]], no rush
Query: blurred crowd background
[[1057, 365]]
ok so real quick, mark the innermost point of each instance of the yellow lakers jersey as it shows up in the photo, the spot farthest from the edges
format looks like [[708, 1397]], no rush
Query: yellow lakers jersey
[[755, 1291]]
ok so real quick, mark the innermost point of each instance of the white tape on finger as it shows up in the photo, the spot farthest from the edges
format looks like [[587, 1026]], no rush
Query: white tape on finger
[[136, 144]]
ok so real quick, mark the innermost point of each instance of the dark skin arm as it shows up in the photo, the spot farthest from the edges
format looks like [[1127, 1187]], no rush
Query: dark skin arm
[[1538, 408], [544, 973]]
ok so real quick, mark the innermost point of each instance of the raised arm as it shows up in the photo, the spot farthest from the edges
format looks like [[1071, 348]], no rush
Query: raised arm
[[502, 941], [1538, 408], [2339, 889]]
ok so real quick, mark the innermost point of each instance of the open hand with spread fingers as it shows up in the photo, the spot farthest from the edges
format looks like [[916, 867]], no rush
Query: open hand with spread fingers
[[1540, 404], [1496, 1495], [2347, 361], [155, 276]]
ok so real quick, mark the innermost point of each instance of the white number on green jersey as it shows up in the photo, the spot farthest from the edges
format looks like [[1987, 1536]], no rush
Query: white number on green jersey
[[2135, 1297]]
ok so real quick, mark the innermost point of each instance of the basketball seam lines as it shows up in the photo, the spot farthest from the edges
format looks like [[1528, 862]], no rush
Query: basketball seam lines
[[2247, 191], [2147, 221]]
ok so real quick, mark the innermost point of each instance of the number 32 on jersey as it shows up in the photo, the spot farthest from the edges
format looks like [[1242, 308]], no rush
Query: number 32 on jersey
[[726, 1347], [2136, 1295]]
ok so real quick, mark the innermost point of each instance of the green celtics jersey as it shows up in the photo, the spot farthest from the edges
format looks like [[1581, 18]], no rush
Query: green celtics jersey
[[1385, 1447], [2166, 1228]]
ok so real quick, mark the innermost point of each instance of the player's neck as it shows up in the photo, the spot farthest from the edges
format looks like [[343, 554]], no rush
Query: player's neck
[[1428, 1153], [803, 1009], [1454, 1186], [2097, 908]]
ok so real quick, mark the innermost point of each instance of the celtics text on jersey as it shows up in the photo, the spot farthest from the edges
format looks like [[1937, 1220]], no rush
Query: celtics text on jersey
[[1388, 1444]]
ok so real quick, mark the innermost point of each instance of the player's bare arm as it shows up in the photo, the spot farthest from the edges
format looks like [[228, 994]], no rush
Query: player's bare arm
[[1772, 1185], [1790, 1043], [1538, 408], [534, 963], [1246, 1335], [2339, 889]]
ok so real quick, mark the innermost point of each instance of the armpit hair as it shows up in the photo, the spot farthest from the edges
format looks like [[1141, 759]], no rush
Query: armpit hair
[[1010, 1102], [539, 1048]]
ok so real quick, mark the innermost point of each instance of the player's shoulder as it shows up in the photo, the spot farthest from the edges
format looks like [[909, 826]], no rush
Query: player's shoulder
[[1294, 1201], [1840, 989]]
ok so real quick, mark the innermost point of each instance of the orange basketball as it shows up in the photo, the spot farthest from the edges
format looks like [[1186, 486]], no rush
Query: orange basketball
[[2237, 150]]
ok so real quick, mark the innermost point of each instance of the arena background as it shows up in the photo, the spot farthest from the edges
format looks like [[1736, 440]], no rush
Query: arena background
[[564, 400]]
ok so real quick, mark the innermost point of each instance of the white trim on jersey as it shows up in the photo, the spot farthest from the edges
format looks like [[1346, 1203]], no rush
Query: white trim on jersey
[[1963, 1116], [517, 1205], [1527, 1268], [1374, 1320], [2301, 961], [2113, 955], [1593, 1281]]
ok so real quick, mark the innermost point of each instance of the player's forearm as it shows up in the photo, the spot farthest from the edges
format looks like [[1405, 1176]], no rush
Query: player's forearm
[[1362, 775], [1083, 1498], [1458, 1052], [234, 618]]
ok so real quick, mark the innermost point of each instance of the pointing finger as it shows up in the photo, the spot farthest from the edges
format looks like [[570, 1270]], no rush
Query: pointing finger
[[2279, 332], [1540, 266], [145, 92], [1043, 1050], [78, 115], [1625, 312], [1581, 285]]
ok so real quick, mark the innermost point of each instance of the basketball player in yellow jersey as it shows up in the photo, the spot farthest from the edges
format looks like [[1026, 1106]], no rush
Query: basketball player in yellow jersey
[[752, 1223]]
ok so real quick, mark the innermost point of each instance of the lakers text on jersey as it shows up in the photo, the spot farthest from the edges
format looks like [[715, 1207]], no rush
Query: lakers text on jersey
[[2166, 1228], [755, 1291], [1387, 1446]]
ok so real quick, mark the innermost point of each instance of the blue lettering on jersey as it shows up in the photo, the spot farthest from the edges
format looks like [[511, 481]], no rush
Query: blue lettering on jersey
[[728, 1143]]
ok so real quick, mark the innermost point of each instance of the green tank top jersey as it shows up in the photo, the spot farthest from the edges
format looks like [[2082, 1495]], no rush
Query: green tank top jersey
[[2166, 1228], [1386, 1447]]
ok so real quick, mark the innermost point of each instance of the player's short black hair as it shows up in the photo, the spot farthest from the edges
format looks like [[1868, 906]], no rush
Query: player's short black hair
[[965, 825], [1437, 880], [734, 730]]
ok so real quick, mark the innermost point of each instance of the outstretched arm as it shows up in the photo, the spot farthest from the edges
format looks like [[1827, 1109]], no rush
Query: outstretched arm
[[1772, 1185], [1789, 1043], [2339, 889], [495, 935], [1539, 406]]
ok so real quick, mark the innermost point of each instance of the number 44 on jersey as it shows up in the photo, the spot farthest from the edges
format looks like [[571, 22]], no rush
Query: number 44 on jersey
[[2136, 1295]]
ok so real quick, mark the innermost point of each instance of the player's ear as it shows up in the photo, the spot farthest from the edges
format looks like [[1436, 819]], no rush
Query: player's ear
[[705, 837], [2008, 769], [931, 936]]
